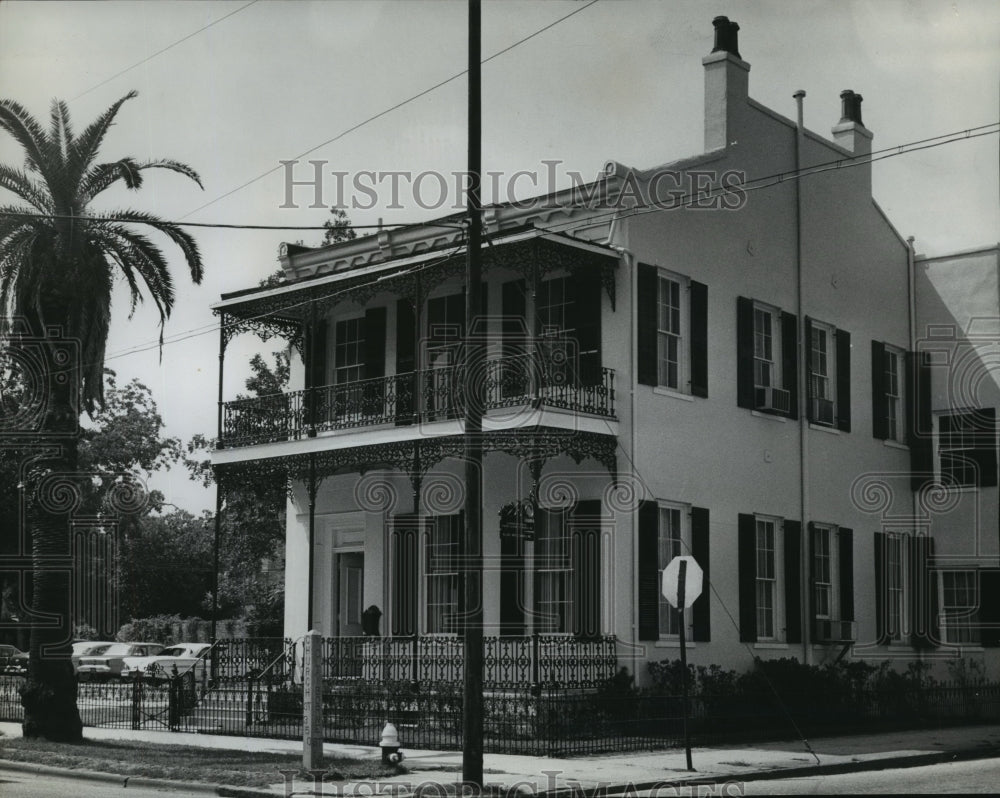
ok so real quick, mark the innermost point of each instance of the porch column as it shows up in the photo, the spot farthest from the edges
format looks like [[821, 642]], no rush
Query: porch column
[[222, 361], [312, 539], [418, 360]]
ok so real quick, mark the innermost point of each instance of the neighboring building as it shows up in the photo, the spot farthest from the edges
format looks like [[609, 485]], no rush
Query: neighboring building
[[958, 314], [731, 379]]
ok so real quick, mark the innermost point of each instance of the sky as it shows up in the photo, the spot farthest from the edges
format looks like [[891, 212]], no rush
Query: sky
[[235, 88]]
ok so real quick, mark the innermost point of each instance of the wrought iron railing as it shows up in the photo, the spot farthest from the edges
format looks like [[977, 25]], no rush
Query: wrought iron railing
[[509, 662], [515, 381]]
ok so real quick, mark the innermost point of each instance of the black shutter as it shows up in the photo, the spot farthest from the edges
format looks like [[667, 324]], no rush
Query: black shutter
[[845, 572], [923, 596], [880, 402], [747, 550], [810, 543], [810, 392], [514, 331], [646, 326], [744, 352], [881, 589], [793, 581], [790, 360], [986, 451], [989, 608], [649, 574], [511, 581], [843, 381], [373, 394], [585, 544], [406, 363], [404, 541], [701, 615], [699, 339], [315, 372], [918, 416], [586, 308]]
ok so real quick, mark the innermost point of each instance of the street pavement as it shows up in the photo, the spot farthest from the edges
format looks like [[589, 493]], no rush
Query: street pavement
[[718, 765]]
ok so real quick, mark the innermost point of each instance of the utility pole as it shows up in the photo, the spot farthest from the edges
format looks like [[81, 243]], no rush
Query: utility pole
[[472, 586]]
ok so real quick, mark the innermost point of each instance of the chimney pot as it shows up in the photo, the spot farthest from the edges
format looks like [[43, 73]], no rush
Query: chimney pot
[[850, 107], [726, 36]]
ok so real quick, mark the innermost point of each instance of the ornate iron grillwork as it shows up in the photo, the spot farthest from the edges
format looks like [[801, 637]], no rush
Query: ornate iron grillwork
[[389, 400]]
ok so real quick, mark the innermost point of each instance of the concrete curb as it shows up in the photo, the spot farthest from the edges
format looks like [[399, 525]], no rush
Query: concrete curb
[[135, 781], [865, 765]]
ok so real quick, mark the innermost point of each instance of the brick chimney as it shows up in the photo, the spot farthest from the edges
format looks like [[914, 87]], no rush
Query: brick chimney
[[726, 81], [850, 133]]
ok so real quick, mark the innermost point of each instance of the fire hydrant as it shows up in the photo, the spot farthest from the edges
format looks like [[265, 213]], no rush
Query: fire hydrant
[[389, 744]]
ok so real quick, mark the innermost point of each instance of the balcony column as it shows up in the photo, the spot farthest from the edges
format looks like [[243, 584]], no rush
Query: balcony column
[[222, 361], [312, 489], [309, 347], [535, 376], [418, 360]]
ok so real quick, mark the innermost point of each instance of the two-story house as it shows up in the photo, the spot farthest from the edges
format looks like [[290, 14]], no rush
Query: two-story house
[[709, 357]]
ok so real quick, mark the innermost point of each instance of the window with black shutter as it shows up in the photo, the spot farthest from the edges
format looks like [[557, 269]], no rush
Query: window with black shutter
[[766, 358], [889, 393], [672, 331]]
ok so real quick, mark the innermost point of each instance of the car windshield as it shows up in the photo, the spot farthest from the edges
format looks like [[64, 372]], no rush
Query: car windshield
[[94, 650]]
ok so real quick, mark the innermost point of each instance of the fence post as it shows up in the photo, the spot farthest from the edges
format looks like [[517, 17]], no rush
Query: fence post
[[413, 659], [312, 702], [174, 703], [137, 701], [534, 659], [250, 691]]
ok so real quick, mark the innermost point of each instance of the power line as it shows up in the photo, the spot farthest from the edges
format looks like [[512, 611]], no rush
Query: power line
[[395, 107], [160, 52]]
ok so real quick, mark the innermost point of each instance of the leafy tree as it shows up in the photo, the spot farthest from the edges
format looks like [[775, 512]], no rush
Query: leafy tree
[[338, 228], [253, 521], [165, 565], [59, 257]]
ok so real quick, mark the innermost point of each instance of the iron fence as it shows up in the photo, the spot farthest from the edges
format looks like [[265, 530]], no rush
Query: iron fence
[[507, 382], [526, 719]]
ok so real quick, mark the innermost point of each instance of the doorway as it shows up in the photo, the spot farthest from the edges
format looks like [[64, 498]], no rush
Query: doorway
[[350, 593]]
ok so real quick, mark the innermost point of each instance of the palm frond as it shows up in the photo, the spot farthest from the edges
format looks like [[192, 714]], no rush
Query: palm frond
[[61, 131], [183, 240], [85, 147], [104, 175], [21, 184], [16, 120]]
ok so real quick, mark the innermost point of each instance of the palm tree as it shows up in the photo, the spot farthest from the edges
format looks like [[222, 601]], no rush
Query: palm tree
[[59, 260]]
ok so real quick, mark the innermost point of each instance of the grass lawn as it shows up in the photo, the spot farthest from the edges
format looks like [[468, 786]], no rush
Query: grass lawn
[[184, 763]]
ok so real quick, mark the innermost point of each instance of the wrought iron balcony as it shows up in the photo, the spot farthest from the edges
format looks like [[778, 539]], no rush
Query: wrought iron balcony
[[431, 394]]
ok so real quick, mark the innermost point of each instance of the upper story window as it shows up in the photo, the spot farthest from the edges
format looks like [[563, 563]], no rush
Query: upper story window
[[967, 448], [672, 331], [349, 350], [767, 358], [829, 384], [670, 363], [890, 383]]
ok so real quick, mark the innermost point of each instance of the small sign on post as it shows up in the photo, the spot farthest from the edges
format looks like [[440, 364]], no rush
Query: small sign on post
[[682, 583], [312, 702]]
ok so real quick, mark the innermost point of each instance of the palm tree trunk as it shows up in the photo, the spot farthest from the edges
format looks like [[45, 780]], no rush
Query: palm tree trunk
[[54, 492]]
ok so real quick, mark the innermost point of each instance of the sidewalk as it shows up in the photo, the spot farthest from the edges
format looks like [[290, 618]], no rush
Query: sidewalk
[[549, 775]]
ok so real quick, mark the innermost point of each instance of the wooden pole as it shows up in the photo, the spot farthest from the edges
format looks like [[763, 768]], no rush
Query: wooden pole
[[472, 589]]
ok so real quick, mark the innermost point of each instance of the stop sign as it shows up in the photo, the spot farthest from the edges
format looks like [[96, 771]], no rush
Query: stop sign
[[692, 581]]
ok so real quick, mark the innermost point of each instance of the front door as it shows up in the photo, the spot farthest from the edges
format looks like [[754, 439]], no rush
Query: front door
[[350, 603]]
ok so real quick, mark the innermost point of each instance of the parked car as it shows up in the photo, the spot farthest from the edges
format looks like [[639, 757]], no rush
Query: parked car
[[108, 664], [88, 648], [13, 661], [185, 656]]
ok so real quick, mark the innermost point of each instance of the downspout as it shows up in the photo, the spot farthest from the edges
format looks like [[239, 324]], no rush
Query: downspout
[[805, 587], [911, 309], [629, 263]]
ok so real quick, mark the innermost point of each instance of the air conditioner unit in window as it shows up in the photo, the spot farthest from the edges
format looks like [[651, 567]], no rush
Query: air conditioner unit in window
[[828, 631], [777, 400], [822, 411]]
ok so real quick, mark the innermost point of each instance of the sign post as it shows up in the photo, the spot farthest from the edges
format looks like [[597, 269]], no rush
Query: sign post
[[312, 703], [682, 583]]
